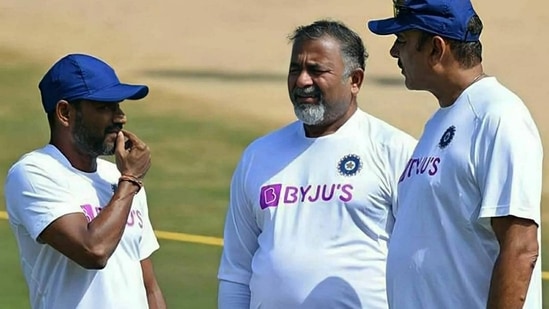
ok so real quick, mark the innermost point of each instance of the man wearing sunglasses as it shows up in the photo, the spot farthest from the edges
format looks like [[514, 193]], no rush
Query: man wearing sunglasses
[[467, 230]]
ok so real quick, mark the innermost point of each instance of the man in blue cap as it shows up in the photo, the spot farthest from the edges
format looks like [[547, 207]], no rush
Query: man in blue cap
[[467, 230], [81, 222]]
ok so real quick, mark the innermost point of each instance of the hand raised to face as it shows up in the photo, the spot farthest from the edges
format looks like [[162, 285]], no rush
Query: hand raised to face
[[132, 155]]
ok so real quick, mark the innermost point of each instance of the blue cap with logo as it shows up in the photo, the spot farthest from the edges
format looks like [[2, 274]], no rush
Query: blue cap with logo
[[447, 18], [84, 77]]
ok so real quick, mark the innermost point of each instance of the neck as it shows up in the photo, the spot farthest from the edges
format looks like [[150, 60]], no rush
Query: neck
[[76, 158], [451, 86]]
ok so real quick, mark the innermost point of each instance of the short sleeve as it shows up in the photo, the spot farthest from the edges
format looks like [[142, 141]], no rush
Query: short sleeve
[[240, 233], [35, 198], [509, 166]]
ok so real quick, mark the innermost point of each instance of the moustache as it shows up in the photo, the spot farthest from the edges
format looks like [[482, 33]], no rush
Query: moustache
[[113, 129], [307, 91]]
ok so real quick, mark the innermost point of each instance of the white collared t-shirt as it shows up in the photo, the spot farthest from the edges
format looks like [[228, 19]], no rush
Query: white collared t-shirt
[[477, 159], [43, 186], [309, 218]]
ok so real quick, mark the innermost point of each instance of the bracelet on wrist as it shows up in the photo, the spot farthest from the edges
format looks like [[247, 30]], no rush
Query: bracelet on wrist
[[134, 180]]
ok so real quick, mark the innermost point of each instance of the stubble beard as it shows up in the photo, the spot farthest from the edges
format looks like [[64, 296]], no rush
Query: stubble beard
[[88, 142]]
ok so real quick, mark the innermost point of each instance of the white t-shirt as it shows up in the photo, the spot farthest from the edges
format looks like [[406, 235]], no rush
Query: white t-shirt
[[477, 159], [43, 186], [309, 218]]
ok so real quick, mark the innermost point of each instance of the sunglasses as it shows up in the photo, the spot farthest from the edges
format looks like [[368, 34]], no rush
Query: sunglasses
[[398, 7]]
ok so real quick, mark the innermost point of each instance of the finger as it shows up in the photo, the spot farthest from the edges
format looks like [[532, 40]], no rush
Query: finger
[[136, 142], [120, 142], [129, 134]]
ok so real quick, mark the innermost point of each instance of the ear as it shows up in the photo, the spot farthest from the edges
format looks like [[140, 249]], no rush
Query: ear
[[439, 48], [63, 112], [357, 77]]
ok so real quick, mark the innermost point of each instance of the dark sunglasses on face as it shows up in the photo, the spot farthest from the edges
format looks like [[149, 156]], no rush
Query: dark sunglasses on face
[[398, 7]]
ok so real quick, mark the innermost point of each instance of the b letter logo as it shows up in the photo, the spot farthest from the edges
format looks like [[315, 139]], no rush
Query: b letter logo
[[270, 196]]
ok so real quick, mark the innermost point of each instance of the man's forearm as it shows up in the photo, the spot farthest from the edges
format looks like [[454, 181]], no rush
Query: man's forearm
[[155, 299], [107, 228], [510, 279]]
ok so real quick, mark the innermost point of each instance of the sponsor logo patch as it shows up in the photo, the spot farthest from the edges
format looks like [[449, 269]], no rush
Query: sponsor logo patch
[[274, 195]]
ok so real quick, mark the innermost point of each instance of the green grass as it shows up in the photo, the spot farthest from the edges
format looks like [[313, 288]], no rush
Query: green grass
[[194, 152], [13, 291], [192, 165]]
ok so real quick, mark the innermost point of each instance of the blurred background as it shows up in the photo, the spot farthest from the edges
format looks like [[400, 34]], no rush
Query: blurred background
[[217, 73]]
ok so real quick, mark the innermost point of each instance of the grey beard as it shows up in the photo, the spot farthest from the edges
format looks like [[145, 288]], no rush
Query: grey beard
[[310, 114], [89, 144], [92, 148]]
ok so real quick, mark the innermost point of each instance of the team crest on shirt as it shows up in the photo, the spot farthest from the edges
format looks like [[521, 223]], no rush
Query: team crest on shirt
[[349, 165], [447, 137]]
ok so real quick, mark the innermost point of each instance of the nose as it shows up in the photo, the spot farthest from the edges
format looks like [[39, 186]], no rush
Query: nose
[[394, 51], [119, 116], [304, 79]]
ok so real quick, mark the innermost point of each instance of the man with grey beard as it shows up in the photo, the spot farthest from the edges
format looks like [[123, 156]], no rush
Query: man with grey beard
[[81, 222], [311, 204]]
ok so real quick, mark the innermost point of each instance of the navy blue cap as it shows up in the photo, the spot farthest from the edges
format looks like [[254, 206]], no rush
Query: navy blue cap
[[84, 77], [447, 18]]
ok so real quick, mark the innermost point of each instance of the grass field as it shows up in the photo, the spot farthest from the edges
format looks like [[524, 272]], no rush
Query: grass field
[[194, 152]]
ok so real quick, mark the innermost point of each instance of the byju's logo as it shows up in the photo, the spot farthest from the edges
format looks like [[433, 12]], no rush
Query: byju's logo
[[420, 166], [134, 217], [276, 194], [270, 196]]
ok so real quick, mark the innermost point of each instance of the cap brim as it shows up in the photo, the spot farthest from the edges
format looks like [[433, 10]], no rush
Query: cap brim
[[389, 26], [119, 93]]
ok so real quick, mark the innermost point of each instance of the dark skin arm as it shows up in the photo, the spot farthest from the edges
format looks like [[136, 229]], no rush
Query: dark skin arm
[[154, 294], [512, 271], [90, 244]]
